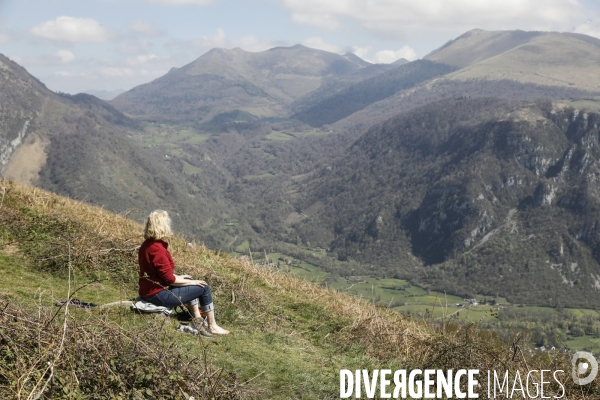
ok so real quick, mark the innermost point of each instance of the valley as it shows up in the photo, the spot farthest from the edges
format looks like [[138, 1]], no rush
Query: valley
[[472, 172], [543, 327]]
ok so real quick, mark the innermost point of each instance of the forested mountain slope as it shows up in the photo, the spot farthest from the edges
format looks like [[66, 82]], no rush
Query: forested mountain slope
[[491, 196], [82, 147]]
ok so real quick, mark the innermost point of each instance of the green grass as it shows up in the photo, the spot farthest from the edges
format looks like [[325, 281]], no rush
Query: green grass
[[294, 360], [198, 138], [243, 247], [283, 136], [582, 312], [584, 343], [408, 299], [288, 338], [173, 135], [279, 136], [587, 105], [300, 269], [387, 291], [191, 169], [315, 133], [262, 176], [27, 283]]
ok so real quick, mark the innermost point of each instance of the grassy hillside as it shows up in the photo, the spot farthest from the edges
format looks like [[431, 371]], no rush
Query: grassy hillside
[[542, 58], [289, 338], [478, 45]]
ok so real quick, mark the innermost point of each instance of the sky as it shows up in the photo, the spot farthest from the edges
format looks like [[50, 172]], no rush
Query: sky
[[78, 45]]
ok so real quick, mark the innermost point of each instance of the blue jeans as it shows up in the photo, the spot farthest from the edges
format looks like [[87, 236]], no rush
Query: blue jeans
[[190, 295]]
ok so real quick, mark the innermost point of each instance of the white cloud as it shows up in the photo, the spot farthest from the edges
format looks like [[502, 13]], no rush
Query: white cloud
[[69, 29], [403, 17], [252, 43], [135, 47], [389, 56], [324, 21], [217, 39], [145, 28], [590, 27], [141, 60], [318, 43], [361, 51], [4, 38], [65, 56]]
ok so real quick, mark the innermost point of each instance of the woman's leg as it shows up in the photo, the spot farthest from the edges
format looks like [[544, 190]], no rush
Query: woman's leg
[[208, 308], [178, 295], [212, 324], [175, 296]]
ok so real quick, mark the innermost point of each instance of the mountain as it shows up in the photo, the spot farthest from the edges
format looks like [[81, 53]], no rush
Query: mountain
[[263, 84], [543, 58], [23, 99], [366, 92], [491, 196], [508, 64], [479, 45], [82, 147]]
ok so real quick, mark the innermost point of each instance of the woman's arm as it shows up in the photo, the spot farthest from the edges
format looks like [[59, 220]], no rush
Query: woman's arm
[[186, 280]]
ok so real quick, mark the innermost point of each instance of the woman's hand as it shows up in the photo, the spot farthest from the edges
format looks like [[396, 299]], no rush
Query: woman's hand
[[187, 280]]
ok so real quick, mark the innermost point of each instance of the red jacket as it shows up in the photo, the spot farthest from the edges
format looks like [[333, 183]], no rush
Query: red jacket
[[156, 267]]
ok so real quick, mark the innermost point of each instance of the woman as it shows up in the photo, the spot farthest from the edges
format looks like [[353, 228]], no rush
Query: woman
[[160, 286]]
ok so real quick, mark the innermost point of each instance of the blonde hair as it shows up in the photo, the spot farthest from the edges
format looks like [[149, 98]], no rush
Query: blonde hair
[[158, 225]]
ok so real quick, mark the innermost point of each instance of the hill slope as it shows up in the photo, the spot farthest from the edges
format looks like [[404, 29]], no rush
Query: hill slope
[[23, 98], [289, 338], [478, 45]]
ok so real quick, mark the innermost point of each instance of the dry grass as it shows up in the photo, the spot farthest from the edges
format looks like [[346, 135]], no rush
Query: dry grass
[[74, 354], [102, 241]]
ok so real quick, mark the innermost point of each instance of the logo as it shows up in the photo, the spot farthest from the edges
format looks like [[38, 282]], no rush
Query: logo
[[581, 367]]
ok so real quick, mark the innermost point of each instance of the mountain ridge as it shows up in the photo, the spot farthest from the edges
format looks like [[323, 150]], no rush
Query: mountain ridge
[[263, 83], [544, 58], [455, 182]]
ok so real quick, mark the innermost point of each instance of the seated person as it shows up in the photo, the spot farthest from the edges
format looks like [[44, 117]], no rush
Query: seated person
[[160, 286]]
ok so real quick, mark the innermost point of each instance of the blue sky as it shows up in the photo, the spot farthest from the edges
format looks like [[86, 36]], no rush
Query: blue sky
[[77, 45]]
